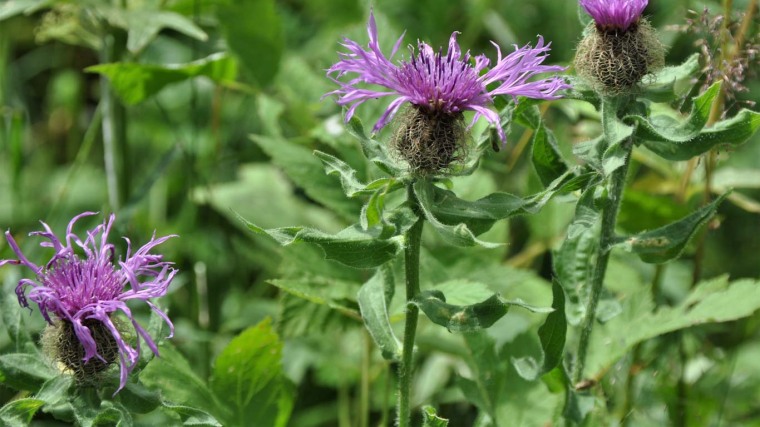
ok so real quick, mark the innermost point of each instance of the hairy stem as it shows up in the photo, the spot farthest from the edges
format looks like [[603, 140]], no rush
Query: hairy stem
[[607, 235], [412, 240]]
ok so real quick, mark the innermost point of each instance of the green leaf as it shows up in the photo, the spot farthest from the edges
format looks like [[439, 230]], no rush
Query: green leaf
[[374, 150], [14, 322], [352, 246], [144, 25], [9, 9], [374, 310], [674, 82], [546, 156], [192, 416], [306, 170], [666, 243], [253, 31], [352, 186], [19, 413], [431, 419], [138, 399], [616, 133], [712, 301], [683, 139], [332, 293], [177, 381], [467, 318], [23, 371], [552, 336], [248, 372], [135, 82]]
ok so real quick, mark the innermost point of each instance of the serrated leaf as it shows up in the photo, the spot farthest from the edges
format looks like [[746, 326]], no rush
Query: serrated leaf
[[666, 243], [431, 419], [352, 246], [332, 293], [19, 413], [248, 372], [23, 371], [135, 82], [712, 301], [192, 416], [374, 310], [467, 318], [257, 40]]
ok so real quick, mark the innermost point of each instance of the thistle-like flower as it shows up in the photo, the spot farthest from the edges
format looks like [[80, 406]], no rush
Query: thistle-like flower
[[615, 14], [439, 88], [79, 295], [619, 48]]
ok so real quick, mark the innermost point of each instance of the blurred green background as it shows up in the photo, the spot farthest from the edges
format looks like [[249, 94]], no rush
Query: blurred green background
[[183, 149]]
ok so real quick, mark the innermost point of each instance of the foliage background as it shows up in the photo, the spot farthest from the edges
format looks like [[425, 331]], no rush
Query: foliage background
[[238, 139]]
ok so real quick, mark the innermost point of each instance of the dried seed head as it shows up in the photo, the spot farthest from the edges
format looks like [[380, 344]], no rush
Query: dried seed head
[[62, 344], [430, 141], [614, 61]]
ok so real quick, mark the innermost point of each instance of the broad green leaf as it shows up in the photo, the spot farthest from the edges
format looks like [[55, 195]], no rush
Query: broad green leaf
[[431, 419], [135, 82], [138, 399], [19, 413], [144, 25], [14, 322], [172, 375], [332, 293], [253, 31], [467, 318], [55, 390], [374, 150], [552, 336], [192, 416], [374, 309], [352, 246], [23, 371], [668, 242], [248, 373], [306, 170], [713, 301], [352, 186], [672, 82]]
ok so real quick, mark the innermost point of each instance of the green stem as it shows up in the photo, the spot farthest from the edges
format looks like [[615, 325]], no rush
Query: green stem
[[113, 127], [606, 238], [412, 268]]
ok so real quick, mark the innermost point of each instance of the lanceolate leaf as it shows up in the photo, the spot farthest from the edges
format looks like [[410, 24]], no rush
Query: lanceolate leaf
[[374, 309], [352, 186], [352, 246], [467, 318], [546, 157], [666, 243]]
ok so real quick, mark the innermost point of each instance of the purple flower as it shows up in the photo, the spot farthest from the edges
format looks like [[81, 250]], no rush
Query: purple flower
[[615, 14], [449, 83], [86, 290]]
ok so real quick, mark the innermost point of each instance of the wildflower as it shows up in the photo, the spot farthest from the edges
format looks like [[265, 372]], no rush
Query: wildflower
[[619, 48], [78, 296], [439, 87]]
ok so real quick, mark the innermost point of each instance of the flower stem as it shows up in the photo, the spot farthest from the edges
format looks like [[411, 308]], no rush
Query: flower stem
[[607, 235], [412, 268]]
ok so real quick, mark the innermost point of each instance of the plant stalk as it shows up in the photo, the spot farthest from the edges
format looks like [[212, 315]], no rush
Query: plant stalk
[[412, 239], [606, 238]]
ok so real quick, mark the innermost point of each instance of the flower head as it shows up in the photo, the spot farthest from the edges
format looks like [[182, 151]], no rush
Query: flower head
[[81, 293], [614, 14], [441, 83]]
